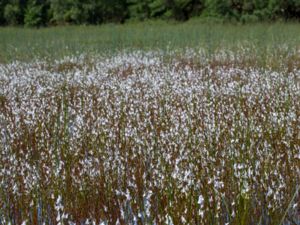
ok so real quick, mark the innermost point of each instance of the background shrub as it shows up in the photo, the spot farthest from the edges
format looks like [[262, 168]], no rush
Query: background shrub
[[45, 12]]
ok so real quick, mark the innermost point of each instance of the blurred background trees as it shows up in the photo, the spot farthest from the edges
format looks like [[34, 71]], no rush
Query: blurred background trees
[[56, 12]]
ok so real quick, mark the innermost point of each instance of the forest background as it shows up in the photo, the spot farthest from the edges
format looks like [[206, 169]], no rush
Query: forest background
[[36, 13]]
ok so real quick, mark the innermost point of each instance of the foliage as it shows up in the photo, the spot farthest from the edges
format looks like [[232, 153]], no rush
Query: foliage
[[12, 14], [2, 6], [87, 11], [38, 12], [33, 14], [139, 9]]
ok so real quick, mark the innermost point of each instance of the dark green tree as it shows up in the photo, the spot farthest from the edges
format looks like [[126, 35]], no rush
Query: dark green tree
[[158, 8], [33, 14], [51, 12], [184, 9], [138, 9], [87, 11], [218, 8], [64, 11], [13, 12], [114, 11], [2, 7]]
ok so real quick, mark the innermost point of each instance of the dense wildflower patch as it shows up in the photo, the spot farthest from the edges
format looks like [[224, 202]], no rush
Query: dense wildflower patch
[[138, 139]]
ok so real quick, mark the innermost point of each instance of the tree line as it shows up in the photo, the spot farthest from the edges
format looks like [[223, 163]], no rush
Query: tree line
[[59, 12]]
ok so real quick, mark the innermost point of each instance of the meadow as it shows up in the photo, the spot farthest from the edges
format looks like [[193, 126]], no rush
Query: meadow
[[150, 123], [57, 42]]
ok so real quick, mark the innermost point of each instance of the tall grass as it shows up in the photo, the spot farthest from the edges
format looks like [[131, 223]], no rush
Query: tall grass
[[57, 42], [134, 140], [154, 124]]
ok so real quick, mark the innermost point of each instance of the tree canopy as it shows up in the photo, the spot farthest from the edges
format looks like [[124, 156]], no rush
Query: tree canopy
[[55, 12]]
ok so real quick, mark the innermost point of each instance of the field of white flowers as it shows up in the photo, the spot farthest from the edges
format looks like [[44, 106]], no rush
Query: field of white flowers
[[145, 138]]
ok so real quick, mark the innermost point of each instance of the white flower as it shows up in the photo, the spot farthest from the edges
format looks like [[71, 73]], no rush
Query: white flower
[[200, 200]]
